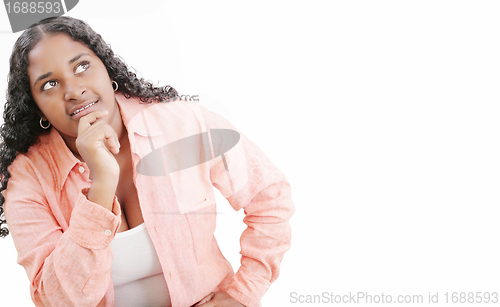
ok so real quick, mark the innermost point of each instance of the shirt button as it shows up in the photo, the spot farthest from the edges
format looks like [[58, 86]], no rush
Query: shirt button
[[108, 232], [81, 169]]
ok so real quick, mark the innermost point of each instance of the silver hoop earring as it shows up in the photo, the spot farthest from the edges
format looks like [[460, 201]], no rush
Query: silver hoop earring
[[114, 82], [44, 127]]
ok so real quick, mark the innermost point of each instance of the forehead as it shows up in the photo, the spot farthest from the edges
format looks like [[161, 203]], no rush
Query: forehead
[[53, 51]]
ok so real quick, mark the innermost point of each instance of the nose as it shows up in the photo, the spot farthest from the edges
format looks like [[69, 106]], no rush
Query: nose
[[74, 90]]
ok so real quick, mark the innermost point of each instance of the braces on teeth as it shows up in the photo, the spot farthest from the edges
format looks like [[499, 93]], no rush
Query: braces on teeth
[[85, 107]]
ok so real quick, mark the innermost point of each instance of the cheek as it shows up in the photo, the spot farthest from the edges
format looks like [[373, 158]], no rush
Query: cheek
[[40, 104], [50, 109], [102, 77]]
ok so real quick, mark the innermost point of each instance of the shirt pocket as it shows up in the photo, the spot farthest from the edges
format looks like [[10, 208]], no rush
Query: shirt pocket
[[202, 222]]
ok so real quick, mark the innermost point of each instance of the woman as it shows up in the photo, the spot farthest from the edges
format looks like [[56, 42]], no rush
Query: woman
[[108, 192]]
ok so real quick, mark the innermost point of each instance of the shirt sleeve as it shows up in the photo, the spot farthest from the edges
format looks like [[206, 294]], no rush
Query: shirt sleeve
[[70, 268], [247, 178]]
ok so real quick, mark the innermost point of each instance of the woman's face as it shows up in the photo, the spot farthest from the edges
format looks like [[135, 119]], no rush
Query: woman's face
[[68, 81]]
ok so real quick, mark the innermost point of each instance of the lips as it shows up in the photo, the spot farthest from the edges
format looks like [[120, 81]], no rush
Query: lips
[[81, 107]]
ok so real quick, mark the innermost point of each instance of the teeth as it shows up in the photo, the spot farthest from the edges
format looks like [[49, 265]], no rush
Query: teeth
[[85, 107]]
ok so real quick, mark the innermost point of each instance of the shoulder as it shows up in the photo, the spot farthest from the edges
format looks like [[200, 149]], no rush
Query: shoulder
[[133, 107], [174, 113], [180, 117], [25, 172], [36, 154], [47, 159]]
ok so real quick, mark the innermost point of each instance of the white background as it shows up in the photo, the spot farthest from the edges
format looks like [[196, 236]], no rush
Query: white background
[[384, 116]]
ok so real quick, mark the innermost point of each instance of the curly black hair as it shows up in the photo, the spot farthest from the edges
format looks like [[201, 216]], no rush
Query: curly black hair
[[21, 127]]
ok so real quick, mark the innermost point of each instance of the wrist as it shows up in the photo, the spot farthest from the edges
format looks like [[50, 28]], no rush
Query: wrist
[[104, 176], [103, 193]]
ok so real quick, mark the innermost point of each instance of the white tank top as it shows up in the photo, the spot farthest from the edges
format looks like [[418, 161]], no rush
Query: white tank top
[[136, 271]]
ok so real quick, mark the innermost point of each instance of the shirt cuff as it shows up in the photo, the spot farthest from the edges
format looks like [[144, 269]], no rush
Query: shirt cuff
[[91, 225], [247, 288]]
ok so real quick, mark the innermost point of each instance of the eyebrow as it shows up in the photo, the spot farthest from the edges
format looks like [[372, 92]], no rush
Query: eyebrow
[[50, 73]]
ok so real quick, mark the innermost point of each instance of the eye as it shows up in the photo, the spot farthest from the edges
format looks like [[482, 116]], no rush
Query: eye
[[49, 84], [83, 66]]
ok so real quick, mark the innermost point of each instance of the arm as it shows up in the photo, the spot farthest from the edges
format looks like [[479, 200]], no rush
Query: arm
[[70, 268], [253, 183]]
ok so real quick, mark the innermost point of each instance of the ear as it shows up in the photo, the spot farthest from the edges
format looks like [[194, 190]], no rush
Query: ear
[[40, 114]]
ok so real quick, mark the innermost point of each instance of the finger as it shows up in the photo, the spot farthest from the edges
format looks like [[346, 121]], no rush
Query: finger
[[104, 134], [206, 299], [112, 140], [99, 134], [87, 120]]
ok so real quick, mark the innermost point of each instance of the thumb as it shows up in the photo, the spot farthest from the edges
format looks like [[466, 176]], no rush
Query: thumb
[[206, 299]]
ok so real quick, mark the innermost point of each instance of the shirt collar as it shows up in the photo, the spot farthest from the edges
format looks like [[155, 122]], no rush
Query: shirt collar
[[134, 118], [130, 107], [62, 156]]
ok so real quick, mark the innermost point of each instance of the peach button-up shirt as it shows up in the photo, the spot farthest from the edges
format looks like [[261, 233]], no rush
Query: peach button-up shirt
[[63, 239]]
